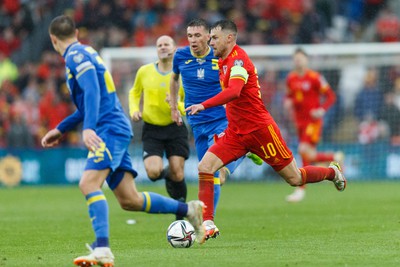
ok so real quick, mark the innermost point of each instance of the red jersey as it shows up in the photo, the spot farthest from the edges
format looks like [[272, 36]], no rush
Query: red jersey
[[247, 112], [306, 93]]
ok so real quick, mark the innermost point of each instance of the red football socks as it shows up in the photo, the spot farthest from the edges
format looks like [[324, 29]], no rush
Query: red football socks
[[313, 174], [206, 194], [324, 157]]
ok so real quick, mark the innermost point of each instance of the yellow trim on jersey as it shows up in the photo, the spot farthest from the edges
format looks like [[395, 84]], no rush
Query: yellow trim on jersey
[[95, 199], [238, 71], [152, 88], [202, 56], [148, 201], [217, 180], [278, 144]]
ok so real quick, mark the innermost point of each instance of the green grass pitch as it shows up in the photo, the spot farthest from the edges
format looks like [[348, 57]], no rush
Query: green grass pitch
[[49, 226]]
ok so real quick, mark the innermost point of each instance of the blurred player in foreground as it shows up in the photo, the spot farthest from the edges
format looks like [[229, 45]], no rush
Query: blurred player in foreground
[[308, 98], [106, 133], [251, 127], [198, 68], [160, 133]]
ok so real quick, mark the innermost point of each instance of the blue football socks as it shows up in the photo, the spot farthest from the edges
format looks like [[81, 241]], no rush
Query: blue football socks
[[156, 203], [98, 212]]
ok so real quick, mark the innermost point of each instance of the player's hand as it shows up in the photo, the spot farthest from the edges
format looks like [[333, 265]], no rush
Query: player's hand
[[176, 116], [52, 138], [91, 139], [137, 116], [317, 113], [194, 109]]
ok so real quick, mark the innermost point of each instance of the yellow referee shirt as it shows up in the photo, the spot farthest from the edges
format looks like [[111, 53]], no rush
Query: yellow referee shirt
[[154, 86]]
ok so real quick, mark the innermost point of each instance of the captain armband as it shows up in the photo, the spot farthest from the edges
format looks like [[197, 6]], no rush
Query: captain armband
[[239, 72]]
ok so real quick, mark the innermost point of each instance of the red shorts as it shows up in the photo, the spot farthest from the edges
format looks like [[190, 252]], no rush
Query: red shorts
[[267, 143], [310, 133]]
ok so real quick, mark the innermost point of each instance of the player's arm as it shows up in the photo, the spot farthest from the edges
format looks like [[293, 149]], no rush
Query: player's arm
[[181, 100], [329, 98], [173, 101], [237, 80], [53, 137], [134, 97], [86, 77], [288, 102]]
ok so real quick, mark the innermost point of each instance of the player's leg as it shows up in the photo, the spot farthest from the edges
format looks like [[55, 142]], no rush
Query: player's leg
[[269, 144], [203, 139], [153, 151], [312, 174], [130, 199], [225, 150], [97, 169], [177, 151], [175, 182], [307, 153], [153, 165], [90, 186]]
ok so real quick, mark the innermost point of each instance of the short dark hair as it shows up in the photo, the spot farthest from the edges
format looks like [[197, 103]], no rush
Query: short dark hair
[[199, 23], [300, 50], [225, 24], [62, 27]]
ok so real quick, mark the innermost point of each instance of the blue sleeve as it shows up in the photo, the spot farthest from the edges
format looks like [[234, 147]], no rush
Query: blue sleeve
[[90, 85], [175, 63], [70, 122]]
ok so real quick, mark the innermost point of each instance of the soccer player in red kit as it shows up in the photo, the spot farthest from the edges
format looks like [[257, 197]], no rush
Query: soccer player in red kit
[[308, 98], [250, 126]]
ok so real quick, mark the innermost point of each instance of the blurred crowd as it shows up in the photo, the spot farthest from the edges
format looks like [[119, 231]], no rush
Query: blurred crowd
[[33, 94]]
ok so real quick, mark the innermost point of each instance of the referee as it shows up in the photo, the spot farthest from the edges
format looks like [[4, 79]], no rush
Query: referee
[[160, 133]]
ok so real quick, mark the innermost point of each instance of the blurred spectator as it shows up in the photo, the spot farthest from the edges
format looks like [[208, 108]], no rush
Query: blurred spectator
[[8, 70], [19, 136], [367, 107], [390, 112], [9, 42], [311, 29], [387, 26], [370, 99]]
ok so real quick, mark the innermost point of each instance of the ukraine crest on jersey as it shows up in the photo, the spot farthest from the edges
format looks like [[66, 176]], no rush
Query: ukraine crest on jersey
[[200, 80], [93, 91]]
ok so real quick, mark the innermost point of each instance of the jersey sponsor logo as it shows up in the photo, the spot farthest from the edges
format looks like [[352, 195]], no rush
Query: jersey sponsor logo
[[238, 62], [78, 58], [200, 60], [200, 74], [188, 61]]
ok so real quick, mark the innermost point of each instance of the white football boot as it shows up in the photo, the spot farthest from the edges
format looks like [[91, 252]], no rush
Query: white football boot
[[101, 256], [195, 217]]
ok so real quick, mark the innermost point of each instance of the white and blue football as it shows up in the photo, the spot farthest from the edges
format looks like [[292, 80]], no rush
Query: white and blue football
[[181, 234]]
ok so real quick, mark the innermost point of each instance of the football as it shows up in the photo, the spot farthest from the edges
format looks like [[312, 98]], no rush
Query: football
[[180, 234]]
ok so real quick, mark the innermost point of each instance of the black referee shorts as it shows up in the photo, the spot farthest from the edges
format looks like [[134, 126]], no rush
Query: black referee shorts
[[171, 139]]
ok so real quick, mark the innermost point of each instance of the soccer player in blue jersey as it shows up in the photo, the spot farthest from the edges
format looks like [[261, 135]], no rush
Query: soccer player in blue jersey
[[106, 133], [198, 68]]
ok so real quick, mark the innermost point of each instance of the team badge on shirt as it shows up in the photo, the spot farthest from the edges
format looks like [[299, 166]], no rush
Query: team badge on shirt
[[238, 62], [78, 58], [200, 74]]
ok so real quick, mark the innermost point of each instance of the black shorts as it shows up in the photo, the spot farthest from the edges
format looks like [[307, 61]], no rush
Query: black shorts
[[171, 139]]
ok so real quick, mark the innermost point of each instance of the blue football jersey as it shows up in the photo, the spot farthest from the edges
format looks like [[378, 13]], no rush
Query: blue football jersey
[[93, 92], [200, 79]]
